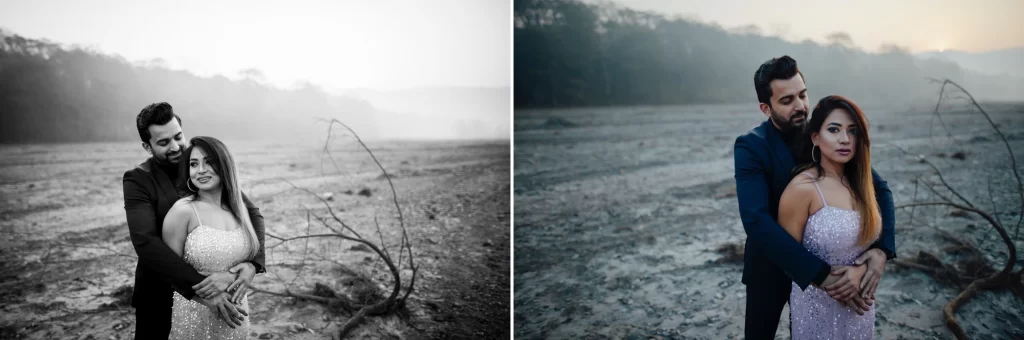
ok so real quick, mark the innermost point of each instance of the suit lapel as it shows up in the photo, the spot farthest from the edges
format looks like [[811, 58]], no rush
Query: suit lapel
[[779, 149], [164, 183]]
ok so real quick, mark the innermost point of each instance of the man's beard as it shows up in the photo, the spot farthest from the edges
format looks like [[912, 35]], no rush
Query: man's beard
[[787, 125], [166, 159]]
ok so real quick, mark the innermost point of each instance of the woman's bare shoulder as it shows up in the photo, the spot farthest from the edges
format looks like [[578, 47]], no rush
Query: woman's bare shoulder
[[181, 210]]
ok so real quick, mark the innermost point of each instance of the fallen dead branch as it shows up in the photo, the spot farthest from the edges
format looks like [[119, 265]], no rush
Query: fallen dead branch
[[942, 272], [339, 229], [972, 274], [1013, 160]]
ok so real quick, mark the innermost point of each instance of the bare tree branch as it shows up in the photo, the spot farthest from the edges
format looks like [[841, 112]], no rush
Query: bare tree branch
[[1013, 160]]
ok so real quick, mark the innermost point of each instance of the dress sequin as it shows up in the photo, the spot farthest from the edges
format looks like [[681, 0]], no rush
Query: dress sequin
[[209, 249], [831, 234]]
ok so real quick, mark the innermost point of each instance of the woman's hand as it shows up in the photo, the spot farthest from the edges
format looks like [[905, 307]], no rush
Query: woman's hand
[[875, 260], [847, 284], [245, 271], [213, 284]]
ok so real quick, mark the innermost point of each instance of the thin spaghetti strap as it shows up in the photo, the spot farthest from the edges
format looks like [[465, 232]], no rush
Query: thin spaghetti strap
[[197, 212], [815, 181]]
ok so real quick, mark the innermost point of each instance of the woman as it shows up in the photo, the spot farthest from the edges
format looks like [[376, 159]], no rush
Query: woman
[[211, 229], [829, 207]]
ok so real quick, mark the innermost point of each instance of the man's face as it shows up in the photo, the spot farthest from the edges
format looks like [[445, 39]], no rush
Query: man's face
[[166, 142], [789, 104]]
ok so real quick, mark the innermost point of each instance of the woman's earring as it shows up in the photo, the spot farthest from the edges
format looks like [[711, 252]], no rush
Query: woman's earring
[[189, 181], [812, 153]]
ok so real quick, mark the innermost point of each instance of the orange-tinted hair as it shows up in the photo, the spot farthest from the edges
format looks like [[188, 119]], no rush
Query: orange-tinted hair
[[857, 170]]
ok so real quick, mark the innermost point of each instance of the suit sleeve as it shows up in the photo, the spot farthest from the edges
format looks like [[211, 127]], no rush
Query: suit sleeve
[[762, 230], [146, 238], [886, 207], [257, 225]]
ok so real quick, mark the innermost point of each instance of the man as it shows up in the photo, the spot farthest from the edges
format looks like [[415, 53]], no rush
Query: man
[[149, 192], [764, 158]]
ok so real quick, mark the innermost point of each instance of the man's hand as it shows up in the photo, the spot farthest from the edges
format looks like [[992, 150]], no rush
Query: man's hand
[[245, 271], [214, 284], [858, 304], [875, 259], [846, 284], [220, 305]]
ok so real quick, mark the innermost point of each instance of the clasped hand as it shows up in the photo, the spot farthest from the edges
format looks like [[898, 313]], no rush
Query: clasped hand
[[855, 285], [222, 292]]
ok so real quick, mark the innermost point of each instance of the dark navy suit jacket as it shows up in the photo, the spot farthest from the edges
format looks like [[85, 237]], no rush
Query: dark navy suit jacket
[[763, 166]]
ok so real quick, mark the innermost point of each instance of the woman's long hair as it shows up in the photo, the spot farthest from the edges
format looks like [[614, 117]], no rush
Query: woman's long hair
[[857, 170], [231, 195]]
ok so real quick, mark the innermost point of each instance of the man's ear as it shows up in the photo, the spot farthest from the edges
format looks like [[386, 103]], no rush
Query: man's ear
[[767, 110], [147, 147]]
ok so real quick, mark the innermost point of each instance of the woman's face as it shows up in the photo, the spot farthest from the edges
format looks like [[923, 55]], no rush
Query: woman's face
[[837, 138], [200, 171]]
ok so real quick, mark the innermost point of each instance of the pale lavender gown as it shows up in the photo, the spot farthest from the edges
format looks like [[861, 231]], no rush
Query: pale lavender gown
[[831, 234]]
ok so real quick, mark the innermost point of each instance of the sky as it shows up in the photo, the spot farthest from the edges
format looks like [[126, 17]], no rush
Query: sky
[[920, 25], [339, 45]]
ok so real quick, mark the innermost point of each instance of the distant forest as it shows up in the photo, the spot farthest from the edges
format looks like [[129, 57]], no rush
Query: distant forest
[[52, 93], [572, 54]]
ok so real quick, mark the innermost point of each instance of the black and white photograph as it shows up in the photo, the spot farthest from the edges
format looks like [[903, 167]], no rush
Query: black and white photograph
[[255, 169]]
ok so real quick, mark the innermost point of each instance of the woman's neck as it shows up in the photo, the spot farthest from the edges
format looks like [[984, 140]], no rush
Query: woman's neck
[[212, 196], [832, 168]]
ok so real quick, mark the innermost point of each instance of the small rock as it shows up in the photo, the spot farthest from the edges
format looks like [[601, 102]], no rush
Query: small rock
[[488, 243], [328, 196], [266, 336], [959, 155], [915, 315], [348, 192], [959, 213], [364, 192]]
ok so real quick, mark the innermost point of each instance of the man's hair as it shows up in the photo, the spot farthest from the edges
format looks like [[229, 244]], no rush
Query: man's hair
[[154, 114], [782, 68]]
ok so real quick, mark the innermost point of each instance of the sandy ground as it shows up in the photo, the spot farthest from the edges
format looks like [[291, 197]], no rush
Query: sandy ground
[[619, 213], [65, 258]]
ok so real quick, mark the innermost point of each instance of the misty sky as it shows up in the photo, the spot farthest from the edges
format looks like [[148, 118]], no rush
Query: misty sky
[[337, 44], [921, 25]]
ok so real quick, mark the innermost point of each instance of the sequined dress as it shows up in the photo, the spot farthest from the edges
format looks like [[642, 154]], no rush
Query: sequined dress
[[209, 249], [831, 234]]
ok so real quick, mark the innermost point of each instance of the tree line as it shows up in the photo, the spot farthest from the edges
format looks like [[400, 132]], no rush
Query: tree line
[[570, 54], [52, 93]]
